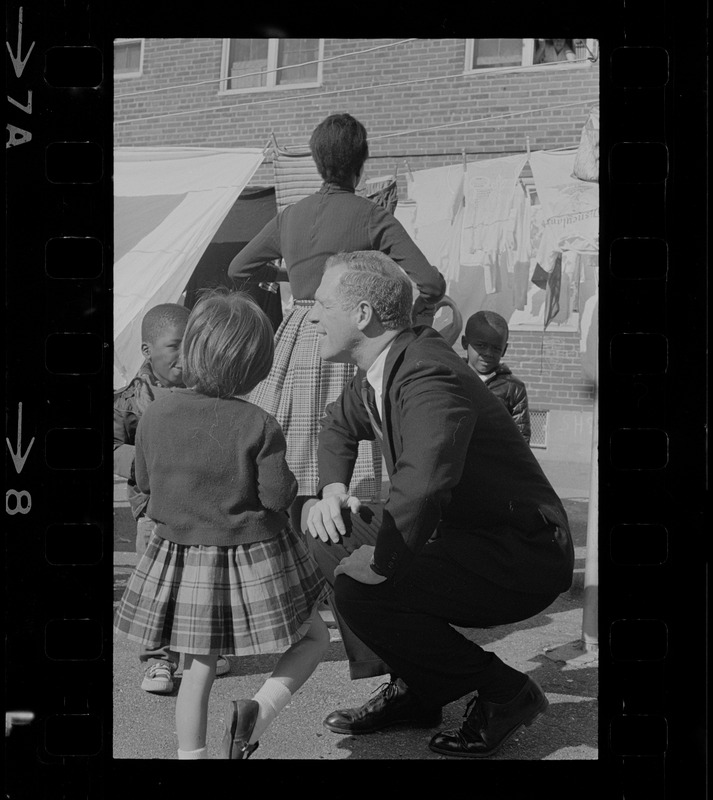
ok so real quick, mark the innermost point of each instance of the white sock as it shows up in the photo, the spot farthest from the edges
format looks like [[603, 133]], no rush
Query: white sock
[[193, 754], [272, 697]]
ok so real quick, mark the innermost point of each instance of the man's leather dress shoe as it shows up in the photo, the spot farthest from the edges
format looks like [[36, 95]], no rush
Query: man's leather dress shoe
[[490, 725], [394, 705], [240, 719]]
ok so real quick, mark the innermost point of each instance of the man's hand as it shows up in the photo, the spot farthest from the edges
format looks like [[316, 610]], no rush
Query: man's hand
[[423, 312], [324, 519], [356, 565]]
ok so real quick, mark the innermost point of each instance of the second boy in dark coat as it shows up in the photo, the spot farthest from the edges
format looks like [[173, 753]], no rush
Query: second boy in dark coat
[[485, 341]]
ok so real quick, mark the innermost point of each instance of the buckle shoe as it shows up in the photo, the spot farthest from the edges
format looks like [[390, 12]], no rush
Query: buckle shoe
[[393, 705], [489, 725], [240, 719]]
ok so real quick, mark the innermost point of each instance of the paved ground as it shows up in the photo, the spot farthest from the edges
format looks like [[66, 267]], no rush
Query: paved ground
[[144, 723]]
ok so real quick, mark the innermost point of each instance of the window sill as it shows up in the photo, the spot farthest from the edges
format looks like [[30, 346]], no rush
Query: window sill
[[267, 89], [555, 67]]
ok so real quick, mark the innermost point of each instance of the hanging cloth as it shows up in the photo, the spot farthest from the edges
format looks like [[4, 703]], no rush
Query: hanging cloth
[[297, 177], [489, 219], [570, 207], [436, 205], [586, 162]]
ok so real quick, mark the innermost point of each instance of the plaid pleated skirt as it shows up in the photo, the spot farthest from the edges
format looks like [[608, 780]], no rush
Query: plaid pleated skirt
[[242, 600], [296, 392]]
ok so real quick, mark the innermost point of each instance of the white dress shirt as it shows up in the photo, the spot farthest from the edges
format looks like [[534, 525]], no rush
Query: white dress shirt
[[375, 376]]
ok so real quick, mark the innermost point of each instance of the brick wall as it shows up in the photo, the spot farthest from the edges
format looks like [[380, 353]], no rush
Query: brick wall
[[447, 96], [551, 369]]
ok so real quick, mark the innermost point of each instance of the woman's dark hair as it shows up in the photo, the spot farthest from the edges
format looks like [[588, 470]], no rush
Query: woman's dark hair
[[339, 148]]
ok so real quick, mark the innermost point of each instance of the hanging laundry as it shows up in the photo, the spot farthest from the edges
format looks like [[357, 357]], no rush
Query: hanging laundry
[[433, 216], [381, 191], [571, 272], [521, 282], [589, 335], [586, 162], [489, 220], [552, 292], [297, 177], [570, 207], [522, 251]]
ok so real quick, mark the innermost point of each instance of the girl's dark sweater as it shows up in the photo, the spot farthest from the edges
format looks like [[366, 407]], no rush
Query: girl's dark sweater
[[214, 470]]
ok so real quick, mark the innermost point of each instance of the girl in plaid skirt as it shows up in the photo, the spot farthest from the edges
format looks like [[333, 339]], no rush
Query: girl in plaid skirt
[[223, 571]]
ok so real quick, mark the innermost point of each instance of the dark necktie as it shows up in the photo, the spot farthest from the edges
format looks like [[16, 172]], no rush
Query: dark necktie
[[369, 399]]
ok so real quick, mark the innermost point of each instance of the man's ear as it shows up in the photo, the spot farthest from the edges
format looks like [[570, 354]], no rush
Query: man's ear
[[365, 314], [463, 343], [505, 349], [145, 349]]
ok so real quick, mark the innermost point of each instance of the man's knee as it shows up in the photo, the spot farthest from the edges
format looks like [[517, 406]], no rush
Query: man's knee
[[354, 598]]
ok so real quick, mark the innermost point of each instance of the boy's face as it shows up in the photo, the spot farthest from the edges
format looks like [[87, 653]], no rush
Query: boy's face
[[164, 355], [485, 349]]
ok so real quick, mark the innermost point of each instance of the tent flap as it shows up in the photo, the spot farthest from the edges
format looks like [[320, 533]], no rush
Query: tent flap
[[169, 203]]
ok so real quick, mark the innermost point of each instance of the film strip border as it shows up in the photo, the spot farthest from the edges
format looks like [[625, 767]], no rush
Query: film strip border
[[652, 458], [57, 363], [58, 381]]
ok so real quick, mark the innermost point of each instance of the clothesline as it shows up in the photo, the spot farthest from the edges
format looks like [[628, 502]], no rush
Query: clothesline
[[264, 71], [320, 95], [460, 153], [481, 120]]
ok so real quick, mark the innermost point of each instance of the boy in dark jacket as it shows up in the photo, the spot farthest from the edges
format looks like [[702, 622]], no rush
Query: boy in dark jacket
[[485, 341]]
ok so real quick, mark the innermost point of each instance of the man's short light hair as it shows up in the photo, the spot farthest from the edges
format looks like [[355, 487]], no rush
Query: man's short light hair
[[374, 277]]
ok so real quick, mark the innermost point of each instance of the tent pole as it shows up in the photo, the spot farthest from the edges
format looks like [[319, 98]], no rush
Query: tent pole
[[590, 634]]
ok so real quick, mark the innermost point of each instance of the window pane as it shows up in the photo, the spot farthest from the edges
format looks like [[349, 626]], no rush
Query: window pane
[[497, 53], [127, 57], [247, 56], [297, 51]]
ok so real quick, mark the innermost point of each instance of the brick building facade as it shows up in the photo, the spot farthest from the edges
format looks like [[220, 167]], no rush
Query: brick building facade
[[425, 103]]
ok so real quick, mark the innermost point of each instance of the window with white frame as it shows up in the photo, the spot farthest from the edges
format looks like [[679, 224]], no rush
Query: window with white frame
[[260, 64], [498, 53], [128, 58]]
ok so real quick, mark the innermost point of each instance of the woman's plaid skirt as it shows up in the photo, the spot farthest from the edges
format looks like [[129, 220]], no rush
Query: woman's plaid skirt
[[296, 392], [242, 600]]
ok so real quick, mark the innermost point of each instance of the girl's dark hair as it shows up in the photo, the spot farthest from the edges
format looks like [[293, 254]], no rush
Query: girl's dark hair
[[228, 345], [339, 148]]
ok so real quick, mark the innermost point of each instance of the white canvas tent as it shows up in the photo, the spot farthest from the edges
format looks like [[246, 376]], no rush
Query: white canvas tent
[[168, 204]]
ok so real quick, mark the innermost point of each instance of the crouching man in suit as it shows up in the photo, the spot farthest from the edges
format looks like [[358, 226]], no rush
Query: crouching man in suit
[[472, 533]]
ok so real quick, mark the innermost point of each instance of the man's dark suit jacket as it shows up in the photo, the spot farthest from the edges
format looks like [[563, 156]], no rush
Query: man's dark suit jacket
[[458, 465]]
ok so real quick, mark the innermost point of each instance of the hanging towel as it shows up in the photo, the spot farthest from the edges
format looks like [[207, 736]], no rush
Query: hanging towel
[[296, 176]]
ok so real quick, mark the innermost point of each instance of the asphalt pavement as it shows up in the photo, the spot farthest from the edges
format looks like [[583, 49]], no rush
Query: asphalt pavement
[[548, 647]]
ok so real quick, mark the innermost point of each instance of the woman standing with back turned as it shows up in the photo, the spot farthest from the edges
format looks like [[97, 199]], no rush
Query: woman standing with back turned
[[333, 220]]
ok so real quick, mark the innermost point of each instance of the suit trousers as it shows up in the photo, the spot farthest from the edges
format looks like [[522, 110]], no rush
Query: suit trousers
[[406, 628]]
